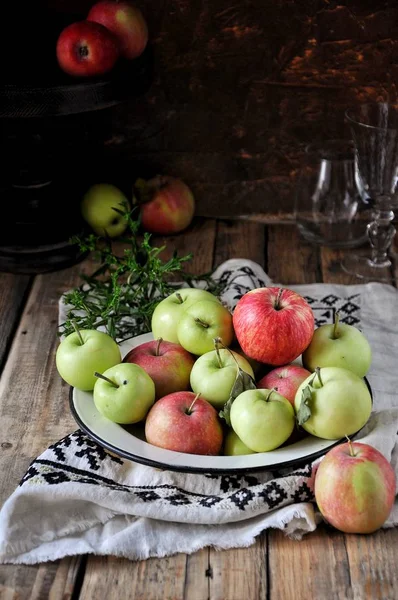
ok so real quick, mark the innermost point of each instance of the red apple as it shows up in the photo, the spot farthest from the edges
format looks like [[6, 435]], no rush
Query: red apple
[[355, 488], [285, 379], [126, 22], [169, 365], [86, 49], [184, 422], [167, 204], [273, 325]]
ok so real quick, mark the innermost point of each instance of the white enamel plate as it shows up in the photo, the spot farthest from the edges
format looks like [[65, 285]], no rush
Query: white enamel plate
[[129, 441]]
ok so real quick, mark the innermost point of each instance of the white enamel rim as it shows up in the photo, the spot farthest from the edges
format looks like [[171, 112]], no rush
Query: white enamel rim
[[121, 442]]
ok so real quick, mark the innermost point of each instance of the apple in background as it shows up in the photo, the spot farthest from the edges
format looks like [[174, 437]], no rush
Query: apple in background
[[201, 323], [273, 325], [86, 49], [338, 345], [285, 380], [169, 365], [167, 205], [168, 312], [82, 353], [103, 207], [126, 21], [184, 422], [262, 419], [233, 445], [355, 488], [124, 393], [214, 373], [333, 403]]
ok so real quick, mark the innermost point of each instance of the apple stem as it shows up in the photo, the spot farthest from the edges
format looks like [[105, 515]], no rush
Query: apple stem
[[318, 372], [269, 394], [160, 340], [179, 298], [278, 299], [351, 447], [205, 325], [189, 410], [217, 343], [79, 335], [336, 323], [106, 379]]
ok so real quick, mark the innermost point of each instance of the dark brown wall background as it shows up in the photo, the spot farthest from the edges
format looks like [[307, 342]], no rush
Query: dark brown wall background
[[240, 88]]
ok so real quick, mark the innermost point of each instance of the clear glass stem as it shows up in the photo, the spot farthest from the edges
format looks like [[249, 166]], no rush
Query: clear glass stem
[[381, 233]]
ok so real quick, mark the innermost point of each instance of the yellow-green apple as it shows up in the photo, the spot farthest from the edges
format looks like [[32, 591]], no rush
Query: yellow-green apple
[[214, 374], [104, 207], [86, 49], [273, 325], [338, 345], [124, 393], [126, 21], [285, 379], [168, 312], [333, 403], [82, 353], [184, 422], [355, 488], [169, 365], [262, 419], [201, 323], [233, 445], [167, 205]]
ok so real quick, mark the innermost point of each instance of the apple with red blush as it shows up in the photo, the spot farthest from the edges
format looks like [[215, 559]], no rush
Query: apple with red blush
[[86, 49], [273, 325], [168, 364], [184, 422], [285, 379]]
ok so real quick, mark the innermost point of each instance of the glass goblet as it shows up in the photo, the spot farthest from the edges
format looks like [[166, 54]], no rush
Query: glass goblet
[[374, 129]]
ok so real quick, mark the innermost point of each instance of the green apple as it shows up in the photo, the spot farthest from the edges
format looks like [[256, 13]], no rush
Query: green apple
[[103, 207], [201, 323], [262, 419], [83, 352], [333, 403], [214, 373], [338, 345], [168, 312], [233, 445], [124, 393]]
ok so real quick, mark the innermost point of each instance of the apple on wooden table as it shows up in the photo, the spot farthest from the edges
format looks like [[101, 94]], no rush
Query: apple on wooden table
[[104, 207], [167, 314], [169, 365], [127, 23], [124, 393], [355, 487], [273, 325], [285, 379], [86, 49], [184, 422], [338, 345], [82, 353]]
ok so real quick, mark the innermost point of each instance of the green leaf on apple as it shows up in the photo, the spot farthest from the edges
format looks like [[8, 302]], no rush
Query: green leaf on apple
[[243, 382], [304, 412]]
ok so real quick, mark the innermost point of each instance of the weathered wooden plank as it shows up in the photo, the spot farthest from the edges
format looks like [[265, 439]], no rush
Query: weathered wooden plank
[[291, 260], [13, 291], [239, 239], [331, 262]]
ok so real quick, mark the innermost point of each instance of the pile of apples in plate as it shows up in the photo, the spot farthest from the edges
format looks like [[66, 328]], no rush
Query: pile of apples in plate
[[214, 382]]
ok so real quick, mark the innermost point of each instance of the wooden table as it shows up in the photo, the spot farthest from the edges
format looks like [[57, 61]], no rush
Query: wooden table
[[34, 412]]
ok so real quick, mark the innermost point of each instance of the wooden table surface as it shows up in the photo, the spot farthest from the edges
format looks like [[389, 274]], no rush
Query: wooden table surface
[[34, 412]]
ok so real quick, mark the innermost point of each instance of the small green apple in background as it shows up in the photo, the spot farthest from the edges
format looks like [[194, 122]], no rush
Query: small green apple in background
[[333, 403], [262, 419], [214, 374], [103, 207], [169, 365], [355, 488], [338, 345], [168, 312], [83, 352], [124, 393], [201, 323], [233, 445]]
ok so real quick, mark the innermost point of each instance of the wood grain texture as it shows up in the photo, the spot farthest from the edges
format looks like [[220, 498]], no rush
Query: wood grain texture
[[290, 260], [14, 289]]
